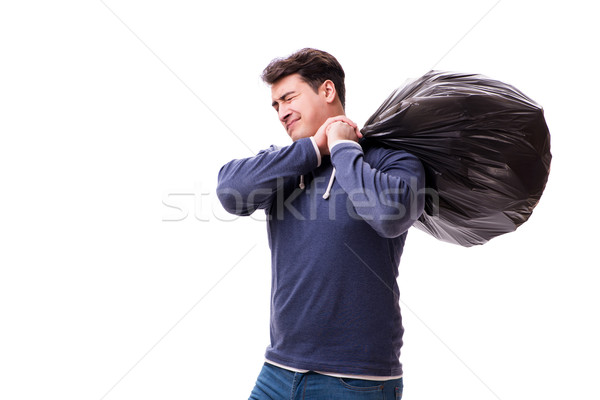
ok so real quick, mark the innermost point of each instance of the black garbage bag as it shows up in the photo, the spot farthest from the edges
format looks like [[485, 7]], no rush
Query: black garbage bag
[[485, 147]]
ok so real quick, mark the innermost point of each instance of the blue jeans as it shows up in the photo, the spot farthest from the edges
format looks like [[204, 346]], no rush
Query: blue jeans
[[275, 383]]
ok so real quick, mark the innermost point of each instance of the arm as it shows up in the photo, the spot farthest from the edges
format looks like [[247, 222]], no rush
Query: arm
[[248, 184], [389, 194]]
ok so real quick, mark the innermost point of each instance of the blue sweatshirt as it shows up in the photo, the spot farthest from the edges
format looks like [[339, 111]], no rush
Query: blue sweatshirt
[[334, 296]]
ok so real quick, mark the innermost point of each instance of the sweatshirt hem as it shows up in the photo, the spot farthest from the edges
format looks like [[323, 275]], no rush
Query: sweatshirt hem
[[335, 369]]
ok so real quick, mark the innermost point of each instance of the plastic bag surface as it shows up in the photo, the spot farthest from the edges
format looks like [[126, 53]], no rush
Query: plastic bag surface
[[485, 147]]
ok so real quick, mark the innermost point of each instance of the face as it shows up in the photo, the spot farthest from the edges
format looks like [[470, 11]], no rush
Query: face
[[300, 110]]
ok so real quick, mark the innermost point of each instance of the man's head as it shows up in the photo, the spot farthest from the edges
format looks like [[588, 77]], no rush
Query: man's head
[[306, 88]]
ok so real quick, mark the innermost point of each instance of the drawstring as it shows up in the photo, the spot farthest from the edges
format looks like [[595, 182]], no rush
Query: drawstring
[[328, 190]]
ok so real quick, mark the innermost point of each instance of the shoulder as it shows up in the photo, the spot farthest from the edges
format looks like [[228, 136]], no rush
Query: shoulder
[[270, 149], [379, 156]]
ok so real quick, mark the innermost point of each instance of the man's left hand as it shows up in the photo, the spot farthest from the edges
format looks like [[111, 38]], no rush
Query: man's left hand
[[342, 131]]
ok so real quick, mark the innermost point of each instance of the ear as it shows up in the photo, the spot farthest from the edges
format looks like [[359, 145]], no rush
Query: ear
[[328, 91]]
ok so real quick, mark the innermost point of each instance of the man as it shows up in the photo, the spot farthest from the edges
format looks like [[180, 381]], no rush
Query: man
[[336, 328]]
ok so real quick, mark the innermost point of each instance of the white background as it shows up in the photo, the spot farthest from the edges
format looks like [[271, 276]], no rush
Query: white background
[[122, 278]]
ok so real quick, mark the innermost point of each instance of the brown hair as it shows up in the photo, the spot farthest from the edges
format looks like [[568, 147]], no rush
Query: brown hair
[[314, 66]]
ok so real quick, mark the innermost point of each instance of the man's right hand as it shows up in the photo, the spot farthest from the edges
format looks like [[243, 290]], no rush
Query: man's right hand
[[321, 135]]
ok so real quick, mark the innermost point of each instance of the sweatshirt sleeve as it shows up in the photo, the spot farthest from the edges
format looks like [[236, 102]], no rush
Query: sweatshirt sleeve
[[245, 185], [389, 194]]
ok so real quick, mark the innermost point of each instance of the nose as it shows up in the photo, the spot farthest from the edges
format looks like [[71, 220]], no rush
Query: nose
[[284, 113]]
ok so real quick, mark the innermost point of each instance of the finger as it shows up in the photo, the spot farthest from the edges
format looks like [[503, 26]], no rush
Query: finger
[[349, 122], [341, 118], [332, 124], [354, 127], [331, 120], [325, 127]]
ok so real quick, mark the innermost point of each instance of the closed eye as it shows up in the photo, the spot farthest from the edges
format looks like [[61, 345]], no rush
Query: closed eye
[[287, 97]]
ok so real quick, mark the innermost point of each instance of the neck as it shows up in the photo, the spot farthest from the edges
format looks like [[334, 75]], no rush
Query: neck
[[336, 110]]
